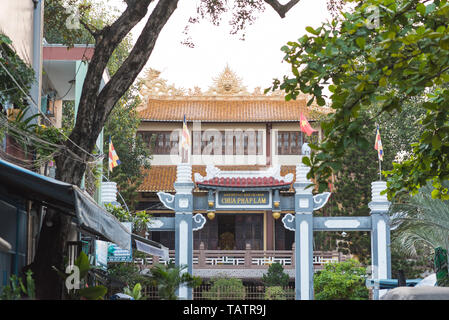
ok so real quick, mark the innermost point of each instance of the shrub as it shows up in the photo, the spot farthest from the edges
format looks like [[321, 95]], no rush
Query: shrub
[[275, 293], [275, 276], [341, 281], [225, 289]]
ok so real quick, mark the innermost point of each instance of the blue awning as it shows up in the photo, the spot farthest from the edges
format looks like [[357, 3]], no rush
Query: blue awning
[[66, 198]]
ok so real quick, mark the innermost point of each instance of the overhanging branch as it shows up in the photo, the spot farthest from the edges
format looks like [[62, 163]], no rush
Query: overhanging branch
[[281, 9]]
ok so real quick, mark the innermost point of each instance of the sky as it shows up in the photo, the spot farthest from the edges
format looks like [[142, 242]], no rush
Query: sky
[[256, 60]]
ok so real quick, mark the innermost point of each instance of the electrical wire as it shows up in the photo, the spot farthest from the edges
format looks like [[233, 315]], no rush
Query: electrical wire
[[25, 137], [40, 112]]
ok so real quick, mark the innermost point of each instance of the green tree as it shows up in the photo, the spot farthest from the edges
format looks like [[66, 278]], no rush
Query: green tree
[[22, 72], [225, 289], [341, 281], [384, 59], [275, 293], [275, 276], [128, 273], [168, 279], [351, 190]]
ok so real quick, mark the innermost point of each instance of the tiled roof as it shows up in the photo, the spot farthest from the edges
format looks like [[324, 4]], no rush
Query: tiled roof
[[161, 178], [235, 110], [243, 182]]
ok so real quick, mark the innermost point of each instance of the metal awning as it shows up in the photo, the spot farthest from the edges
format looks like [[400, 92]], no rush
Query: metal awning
[[66, 198], [150, 247], [390, 283]]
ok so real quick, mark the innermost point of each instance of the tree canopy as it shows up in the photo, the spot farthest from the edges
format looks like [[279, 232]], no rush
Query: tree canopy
[[380, 54]]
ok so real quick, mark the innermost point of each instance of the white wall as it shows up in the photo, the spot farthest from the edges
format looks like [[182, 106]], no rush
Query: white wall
[[16, 21], [226, 159]]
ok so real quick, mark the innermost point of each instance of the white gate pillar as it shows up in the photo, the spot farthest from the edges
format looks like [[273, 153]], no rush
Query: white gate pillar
[[303, 234], [380, 235], [183, 223]]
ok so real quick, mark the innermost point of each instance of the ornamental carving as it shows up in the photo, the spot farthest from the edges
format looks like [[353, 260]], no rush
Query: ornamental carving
[[227, 83], [225, 86]]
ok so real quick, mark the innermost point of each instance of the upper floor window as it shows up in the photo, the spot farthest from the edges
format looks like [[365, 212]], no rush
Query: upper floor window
[[290, 142], [161, 142], [229, 142]]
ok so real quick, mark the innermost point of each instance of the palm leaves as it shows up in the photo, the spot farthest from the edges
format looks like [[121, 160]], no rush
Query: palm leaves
[[168, 278], [423, 221]]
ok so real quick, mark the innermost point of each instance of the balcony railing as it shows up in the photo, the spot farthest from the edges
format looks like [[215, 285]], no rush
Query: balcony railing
[[246, 259]]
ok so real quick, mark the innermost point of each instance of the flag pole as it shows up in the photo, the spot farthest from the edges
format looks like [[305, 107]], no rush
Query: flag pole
[[380, 169]]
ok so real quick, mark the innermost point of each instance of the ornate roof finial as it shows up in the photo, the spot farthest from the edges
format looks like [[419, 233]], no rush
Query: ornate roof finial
[[156, 87], [227, 83]]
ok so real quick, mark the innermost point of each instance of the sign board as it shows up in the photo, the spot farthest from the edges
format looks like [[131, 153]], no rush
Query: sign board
[[117, 254], [101, 254], [243, 200]]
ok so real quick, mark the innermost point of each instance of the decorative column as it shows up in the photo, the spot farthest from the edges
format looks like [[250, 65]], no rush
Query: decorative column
[[302, 224], [380, 235], [303, 234], [183, 223]]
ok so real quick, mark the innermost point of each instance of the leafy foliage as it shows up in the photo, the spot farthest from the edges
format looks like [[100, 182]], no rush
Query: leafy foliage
[[85, 292], [351, 190], [381, 60], [139, 219], [412, 265], [275, 276], [275, 293], [341, 281], [421, 221], [123, 121], [17, 289], [421, 224], [136, 292], [225, 289], [168, 278], [21, 71], [128, 273]]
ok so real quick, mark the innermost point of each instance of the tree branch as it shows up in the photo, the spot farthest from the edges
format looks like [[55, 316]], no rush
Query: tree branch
[[139, 55], [281, 9], [107, 41]]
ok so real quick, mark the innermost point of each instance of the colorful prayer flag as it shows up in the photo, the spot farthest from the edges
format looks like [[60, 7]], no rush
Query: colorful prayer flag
[[185, 143], [305, 125], [378, 145], [113, 157]]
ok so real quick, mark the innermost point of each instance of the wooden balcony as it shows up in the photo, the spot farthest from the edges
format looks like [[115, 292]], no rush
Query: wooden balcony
[[246, 259]]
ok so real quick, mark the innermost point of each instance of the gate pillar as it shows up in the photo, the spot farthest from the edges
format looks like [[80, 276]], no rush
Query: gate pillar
[[380, 235], [183, 223]]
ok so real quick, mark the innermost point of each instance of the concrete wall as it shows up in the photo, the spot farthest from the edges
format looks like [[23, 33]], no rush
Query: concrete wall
[[16, 21]]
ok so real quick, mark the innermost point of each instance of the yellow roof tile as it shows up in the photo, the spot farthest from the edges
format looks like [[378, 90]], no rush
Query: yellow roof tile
[[241, 110]]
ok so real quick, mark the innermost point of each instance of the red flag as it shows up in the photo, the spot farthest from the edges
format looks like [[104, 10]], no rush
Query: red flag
[[305, 125]]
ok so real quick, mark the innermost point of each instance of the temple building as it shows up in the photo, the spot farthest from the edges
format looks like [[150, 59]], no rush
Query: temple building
[[238, 138]]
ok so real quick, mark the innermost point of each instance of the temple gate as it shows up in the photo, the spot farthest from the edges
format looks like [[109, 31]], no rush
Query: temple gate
[[254, 190]]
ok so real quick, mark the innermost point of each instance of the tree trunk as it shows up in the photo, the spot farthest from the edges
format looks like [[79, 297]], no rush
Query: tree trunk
[[93, 111], [56, 227], [50, 252]]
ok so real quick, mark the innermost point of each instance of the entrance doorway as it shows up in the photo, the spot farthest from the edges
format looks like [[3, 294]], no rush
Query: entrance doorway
[[226, 231]]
